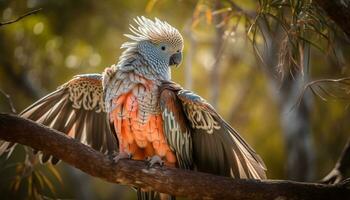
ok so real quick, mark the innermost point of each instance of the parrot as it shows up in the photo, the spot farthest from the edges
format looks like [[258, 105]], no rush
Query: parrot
[[134, 110]]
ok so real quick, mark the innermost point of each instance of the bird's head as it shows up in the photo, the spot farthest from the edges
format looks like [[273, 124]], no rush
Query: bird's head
[[159, 43]]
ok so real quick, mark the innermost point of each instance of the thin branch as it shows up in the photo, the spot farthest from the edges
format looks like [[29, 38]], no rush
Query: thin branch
[[9, 100], [316, 82], [235, 6], [341, 167], [21, 17], [173, 181], [219, 49], [338, 11]]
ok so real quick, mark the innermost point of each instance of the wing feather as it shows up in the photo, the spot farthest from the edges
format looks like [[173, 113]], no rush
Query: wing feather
[[177, 132], [216, 147], [76, 109]]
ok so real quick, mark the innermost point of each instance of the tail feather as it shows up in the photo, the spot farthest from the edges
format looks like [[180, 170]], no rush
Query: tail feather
[[152, 195], [141, 195]]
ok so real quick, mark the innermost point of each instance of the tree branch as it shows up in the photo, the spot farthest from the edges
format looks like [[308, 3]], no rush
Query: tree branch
[[167, 180], [338, 11], [21, 17]]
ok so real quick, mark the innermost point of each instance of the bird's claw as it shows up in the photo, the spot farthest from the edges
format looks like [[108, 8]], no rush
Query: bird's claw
[[122, 155], [155, 160]]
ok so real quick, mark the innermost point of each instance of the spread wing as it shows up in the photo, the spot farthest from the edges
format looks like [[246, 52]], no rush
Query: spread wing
[[175, 127], [76, 109], [215, 146]]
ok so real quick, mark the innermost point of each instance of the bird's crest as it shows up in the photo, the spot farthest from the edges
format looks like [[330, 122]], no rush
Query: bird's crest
[[156, 31]]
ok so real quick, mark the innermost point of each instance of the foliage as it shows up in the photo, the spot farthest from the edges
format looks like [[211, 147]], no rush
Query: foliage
[[30, 179]]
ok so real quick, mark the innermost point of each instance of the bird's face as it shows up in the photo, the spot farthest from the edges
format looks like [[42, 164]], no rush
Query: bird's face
[[162, 53], [159, 43], [172, 53]]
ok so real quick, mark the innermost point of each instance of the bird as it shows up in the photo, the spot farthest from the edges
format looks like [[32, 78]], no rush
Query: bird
[[136, 111]]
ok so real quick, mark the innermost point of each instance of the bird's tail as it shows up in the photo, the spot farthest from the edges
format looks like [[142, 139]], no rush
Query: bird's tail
[[151, 195], [141, 195]]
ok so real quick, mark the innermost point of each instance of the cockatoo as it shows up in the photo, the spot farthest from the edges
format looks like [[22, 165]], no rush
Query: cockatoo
[[133, 108]]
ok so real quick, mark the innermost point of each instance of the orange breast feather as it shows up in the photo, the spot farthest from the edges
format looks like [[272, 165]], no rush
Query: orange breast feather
[[139, 135]]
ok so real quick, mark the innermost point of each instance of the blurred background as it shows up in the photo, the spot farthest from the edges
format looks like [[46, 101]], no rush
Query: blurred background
[[249, 59]]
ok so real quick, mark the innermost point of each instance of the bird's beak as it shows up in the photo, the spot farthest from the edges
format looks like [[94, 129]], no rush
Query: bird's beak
[[175, 59]]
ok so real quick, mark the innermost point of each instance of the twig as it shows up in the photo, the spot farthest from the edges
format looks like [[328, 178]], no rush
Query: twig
[[8, 97], [21, 17], [338, 11], [168, 180], [312, 83], [340, 168], [235, 6]]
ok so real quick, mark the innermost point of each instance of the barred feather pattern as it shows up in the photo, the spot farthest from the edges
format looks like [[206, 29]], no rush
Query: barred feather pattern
[[133, 105], [85, 95], [141, 60], [118, 82], [155, 31], [131, 89], [215, 147], [76, 109]]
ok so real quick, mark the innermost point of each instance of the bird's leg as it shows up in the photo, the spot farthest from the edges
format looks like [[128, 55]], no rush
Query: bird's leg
[[122, 155], [154, 160]]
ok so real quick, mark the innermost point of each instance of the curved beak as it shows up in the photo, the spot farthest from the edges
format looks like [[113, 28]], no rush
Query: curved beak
[[175, 59]]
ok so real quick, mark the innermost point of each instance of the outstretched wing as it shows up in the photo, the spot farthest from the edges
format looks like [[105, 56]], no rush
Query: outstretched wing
[[76, 109], [175, 127], [216, 147]]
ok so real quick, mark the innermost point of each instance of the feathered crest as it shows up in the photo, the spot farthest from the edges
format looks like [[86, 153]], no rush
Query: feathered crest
[[156, 31]]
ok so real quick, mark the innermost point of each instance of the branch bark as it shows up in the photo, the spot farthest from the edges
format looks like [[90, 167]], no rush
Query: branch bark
[[173, 181], [338, 11]]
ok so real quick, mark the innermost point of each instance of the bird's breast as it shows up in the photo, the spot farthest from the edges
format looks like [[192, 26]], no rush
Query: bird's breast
[[137, 119]]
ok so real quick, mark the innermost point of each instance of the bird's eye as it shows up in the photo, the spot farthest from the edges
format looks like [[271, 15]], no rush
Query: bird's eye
[[163, 48], [178, 51]]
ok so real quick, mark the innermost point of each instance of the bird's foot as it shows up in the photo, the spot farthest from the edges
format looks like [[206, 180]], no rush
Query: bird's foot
[[155, 160], [122, 155]]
